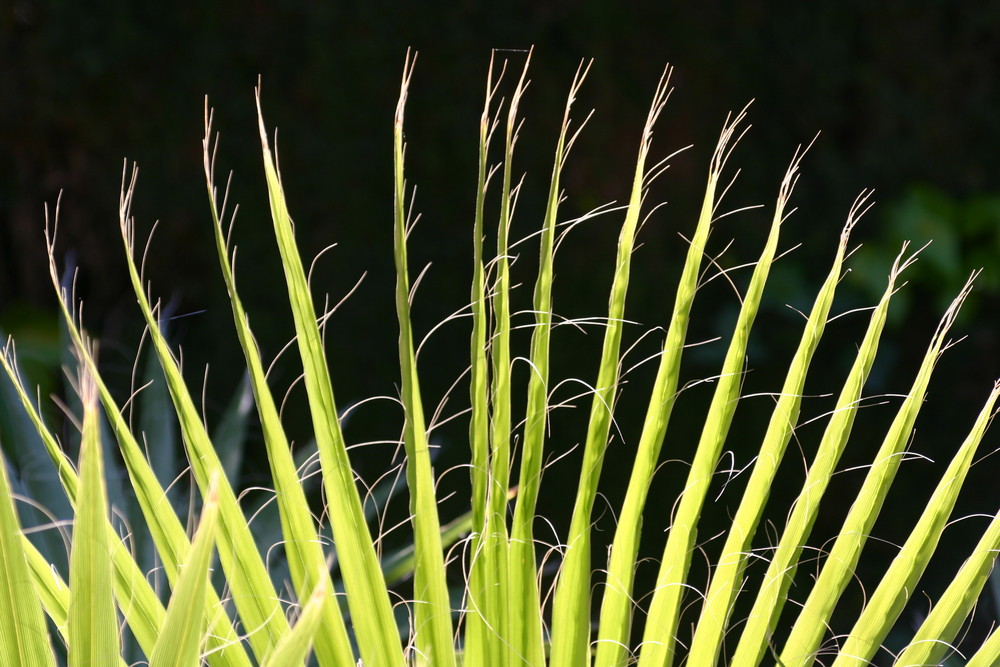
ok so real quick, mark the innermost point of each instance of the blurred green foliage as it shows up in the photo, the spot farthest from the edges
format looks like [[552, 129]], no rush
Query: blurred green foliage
[[964, 235]]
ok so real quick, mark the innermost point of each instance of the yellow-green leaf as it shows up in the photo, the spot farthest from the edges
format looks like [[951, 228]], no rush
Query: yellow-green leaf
[[303, 547], [432, 610], [253, 593], [294, 647], [180, 640], [572, 609], [93, 624], [24, 639], [367, 595]]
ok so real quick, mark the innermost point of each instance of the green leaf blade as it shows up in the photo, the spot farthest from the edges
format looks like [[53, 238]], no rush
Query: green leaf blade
[[933, 639], [139, 601], [432, 608], [772, 592], [809, 627], [728, 575], [302, 544], [477, 632], [367, 595], [180, 640], [293, 649], [253, 593], [24, 639], [571, 609], [617, 605], [93, 625], [664, 611], [898, 583], [526, 604]]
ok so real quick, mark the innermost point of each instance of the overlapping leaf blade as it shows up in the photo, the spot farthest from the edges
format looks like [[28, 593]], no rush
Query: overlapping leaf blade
[[432, 609], [180, 640], [617, 604], [367, 595], [571, 608], [526, 608], [93, 625], [932, 641], [140, 606], [664, 611], [166, 529], [480, 577], [501, 619], [728, 574], [300, 536], [22, 624], [294, 647], [246, 573]]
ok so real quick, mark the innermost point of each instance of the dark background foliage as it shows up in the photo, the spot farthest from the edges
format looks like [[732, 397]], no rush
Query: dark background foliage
[[905, 96]]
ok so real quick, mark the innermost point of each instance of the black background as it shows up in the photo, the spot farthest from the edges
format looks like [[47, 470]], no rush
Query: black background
[[904, 96]]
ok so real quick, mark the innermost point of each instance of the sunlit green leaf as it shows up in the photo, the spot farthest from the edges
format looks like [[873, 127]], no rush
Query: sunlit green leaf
[[93, 625], [180, 640]]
